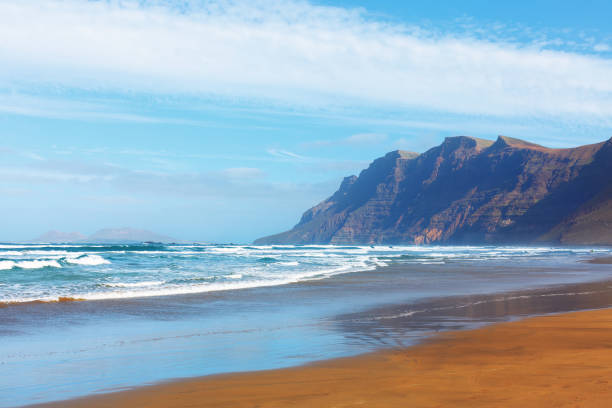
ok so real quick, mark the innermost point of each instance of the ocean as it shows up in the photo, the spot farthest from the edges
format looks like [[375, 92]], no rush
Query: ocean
[[83, 319]]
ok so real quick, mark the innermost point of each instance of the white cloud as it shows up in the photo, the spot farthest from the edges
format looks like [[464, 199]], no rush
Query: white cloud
[[601, 47], [365, 138], [291, 53], [358, 139]]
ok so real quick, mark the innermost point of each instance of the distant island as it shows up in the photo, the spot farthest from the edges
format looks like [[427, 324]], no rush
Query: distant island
[[106, 235], [469, 191]]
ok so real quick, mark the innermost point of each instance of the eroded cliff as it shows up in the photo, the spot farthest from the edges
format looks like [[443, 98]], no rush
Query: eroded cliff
[[469, 190]]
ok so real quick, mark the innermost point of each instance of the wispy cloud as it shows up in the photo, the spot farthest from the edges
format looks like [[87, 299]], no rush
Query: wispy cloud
[[292, 53], [230, 183], [40, 176], [30, 155], [287, 155], [358, 139], [71, 107]]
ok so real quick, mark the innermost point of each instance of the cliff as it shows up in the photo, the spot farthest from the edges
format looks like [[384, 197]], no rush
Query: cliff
[[469, 190]]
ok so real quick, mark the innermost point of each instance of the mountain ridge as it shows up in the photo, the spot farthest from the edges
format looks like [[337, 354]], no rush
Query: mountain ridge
[[469, 190], [104, 235]]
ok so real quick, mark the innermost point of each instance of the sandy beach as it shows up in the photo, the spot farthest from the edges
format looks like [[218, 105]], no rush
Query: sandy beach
[[305, 204], [551, 361]]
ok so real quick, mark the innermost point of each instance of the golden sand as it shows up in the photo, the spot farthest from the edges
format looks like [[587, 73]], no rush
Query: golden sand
[[553, 361]]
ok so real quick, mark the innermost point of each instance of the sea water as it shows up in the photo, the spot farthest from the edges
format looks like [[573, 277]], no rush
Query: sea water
[[89, 272]]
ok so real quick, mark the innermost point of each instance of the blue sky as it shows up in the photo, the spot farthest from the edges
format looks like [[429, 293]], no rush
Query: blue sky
[[225, 120]]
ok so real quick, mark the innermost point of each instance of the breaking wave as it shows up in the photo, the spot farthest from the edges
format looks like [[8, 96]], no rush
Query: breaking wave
[[90, 272], [88, 260], [38, 263]]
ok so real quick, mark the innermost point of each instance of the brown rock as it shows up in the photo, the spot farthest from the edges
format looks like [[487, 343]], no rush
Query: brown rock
[[469, 190]]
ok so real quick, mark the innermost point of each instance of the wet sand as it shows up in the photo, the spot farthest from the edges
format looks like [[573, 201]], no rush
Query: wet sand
[[551, 361], [601, 261]]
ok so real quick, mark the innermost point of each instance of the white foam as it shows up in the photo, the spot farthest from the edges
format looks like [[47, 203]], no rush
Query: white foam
[[4, 265], [21, 246], [88, 260], [397, 316], [38, 263], [206, 287], [11, 253], [134, 284], [147, 289]]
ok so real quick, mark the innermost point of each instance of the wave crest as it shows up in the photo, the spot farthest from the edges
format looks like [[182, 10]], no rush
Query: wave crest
[[38, 263], [88, 260]]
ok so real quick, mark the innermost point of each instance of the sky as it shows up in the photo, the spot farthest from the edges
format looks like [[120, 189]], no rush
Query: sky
[[223, 121]]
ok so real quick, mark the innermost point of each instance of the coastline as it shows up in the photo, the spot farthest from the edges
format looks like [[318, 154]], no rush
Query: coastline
[[555, 360], [372, 311]]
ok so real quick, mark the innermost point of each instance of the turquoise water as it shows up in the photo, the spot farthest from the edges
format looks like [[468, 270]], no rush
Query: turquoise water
[[92, 272], [156, 313]]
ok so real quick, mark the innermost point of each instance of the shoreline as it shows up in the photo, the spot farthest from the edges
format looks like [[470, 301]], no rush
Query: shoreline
[[554, 360], [66, 298], [360, 326], [156, 293]]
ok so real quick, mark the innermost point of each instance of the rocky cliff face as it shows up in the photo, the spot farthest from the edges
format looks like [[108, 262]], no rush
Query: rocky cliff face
[[469, 190]]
